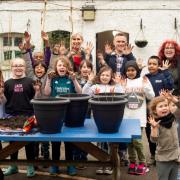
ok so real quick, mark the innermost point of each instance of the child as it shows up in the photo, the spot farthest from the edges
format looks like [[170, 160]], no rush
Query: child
[[85, 69], [104, 82], [19, 91], [137, 89], [164, 134], [63, 82], [160, 79]]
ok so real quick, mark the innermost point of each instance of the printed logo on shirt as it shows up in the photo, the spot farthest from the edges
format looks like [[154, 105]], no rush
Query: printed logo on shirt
[[135, 100], [18, 88], [56, 82], [158, 81], [61, 90], [68, 82]]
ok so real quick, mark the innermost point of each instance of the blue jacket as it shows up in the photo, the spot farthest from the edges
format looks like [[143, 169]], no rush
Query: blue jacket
[[111, 61], [161, 80]]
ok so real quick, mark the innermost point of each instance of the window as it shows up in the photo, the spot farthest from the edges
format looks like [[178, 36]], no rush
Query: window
[[9, 46]]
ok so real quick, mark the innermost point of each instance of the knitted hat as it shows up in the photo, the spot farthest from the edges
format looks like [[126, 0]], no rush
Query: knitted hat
[[132, 63]]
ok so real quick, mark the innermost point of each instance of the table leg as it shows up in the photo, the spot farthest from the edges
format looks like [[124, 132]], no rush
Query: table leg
[[115, 161]]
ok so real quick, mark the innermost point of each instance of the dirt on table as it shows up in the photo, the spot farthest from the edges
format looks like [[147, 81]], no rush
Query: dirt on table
[[13, 123]]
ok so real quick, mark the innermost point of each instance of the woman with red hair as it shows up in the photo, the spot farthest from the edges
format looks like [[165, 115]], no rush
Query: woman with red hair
[[170, 51]]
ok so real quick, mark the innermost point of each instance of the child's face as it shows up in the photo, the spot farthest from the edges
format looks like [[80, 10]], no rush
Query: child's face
[[76, 41], [153, 66], [131, 72], [169, 51], [105, 77], [172, 107], [162, 108], [39, 71], [38, 56], [85, 70], [61, 68], [18, 68]]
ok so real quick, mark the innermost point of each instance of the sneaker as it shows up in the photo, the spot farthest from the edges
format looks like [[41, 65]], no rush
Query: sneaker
[[132, 168], [100, 171], [142, 169], [11, 170], [152, 161], [54, 170], [30, 171], [71, 170], [108, 170]]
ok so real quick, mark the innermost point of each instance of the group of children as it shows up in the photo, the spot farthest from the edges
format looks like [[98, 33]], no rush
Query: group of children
[[63, 72]]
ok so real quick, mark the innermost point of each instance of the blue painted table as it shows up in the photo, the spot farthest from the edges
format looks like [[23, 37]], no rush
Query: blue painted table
[[81, 137]]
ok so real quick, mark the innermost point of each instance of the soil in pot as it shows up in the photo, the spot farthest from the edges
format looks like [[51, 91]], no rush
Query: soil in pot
[[108, 113], [77, 109], [122, 95], [50, 114]]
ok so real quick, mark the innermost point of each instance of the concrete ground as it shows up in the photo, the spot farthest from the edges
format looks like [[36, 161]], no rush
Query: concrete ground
[[87, 174]]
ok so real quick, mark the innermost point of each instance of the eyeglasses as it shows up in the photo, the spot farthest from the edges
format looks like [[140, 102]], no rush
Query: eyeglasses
[[169, 48], [18, 66]]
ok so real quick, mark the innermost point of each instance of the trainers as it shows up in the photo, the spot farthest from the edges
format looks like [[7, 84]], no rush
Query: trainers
[[30, 171], [132, 168], [54, 170], [71, 170], [108, 170], [152, 161], [100, 171], [11, 170], [142, 169]]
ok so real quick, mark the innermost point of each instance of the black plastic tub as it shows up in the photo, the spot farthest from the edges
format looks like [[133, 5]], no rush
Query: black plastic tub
[[50, 114], [77, 109], [108, 113], [122, 95]]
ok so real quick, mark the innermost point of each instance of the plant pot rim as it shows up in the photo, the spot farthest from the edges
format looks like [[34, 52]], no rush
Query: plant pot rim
[[50, 101], [111, 95], [98, 102], [82, 97]]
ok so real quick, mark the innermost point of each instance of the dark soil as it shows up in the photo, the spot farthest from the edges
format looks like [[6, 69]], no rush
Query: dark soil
[[13, 122]]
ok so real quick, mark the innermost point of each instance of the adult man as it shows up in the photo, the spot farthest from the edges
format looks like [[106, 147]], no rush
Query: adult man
[[122, 53]]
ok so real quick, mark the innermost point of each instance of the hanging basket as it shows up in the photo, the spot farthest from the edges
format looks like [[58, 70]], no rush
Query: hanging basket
[[140, 40], [141, 43]]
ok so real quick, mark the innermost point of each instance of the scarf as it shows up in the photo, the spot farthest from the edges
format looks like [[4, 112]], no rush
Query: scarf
[[166, 121]]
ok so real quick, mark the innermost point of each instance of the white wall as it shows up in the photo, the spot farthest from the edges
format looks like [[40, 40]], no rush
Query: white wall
[[158, 19]]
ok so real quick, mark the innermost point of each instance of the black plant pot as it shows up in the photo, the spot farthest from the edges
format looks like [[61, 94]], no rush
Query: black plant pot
[[122, 95], [77, 109], [141, 43], [108, 113], [50, 114]]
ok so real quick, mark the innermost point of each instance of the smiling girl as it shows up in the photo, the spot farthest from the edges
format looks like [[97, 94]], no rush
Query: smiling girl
[[62, 81], [164, 134]]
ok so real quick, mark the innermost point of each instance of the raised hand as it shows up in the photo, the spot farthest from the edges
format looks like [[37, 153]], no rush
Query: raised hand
[[89, 47], [44, 36], [128, 49], [52, 74], [22, 46], [37, 85], [62, 48], [166, 64], [108, 48], [152, 122], [100, 58], [140, 63], [145, 80], [72, 75], [91, 77]]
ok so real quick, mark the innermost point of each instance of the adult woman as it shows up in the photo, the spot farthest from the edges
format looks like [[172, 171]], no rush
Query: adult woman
[[170, 50], [77, 53]]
